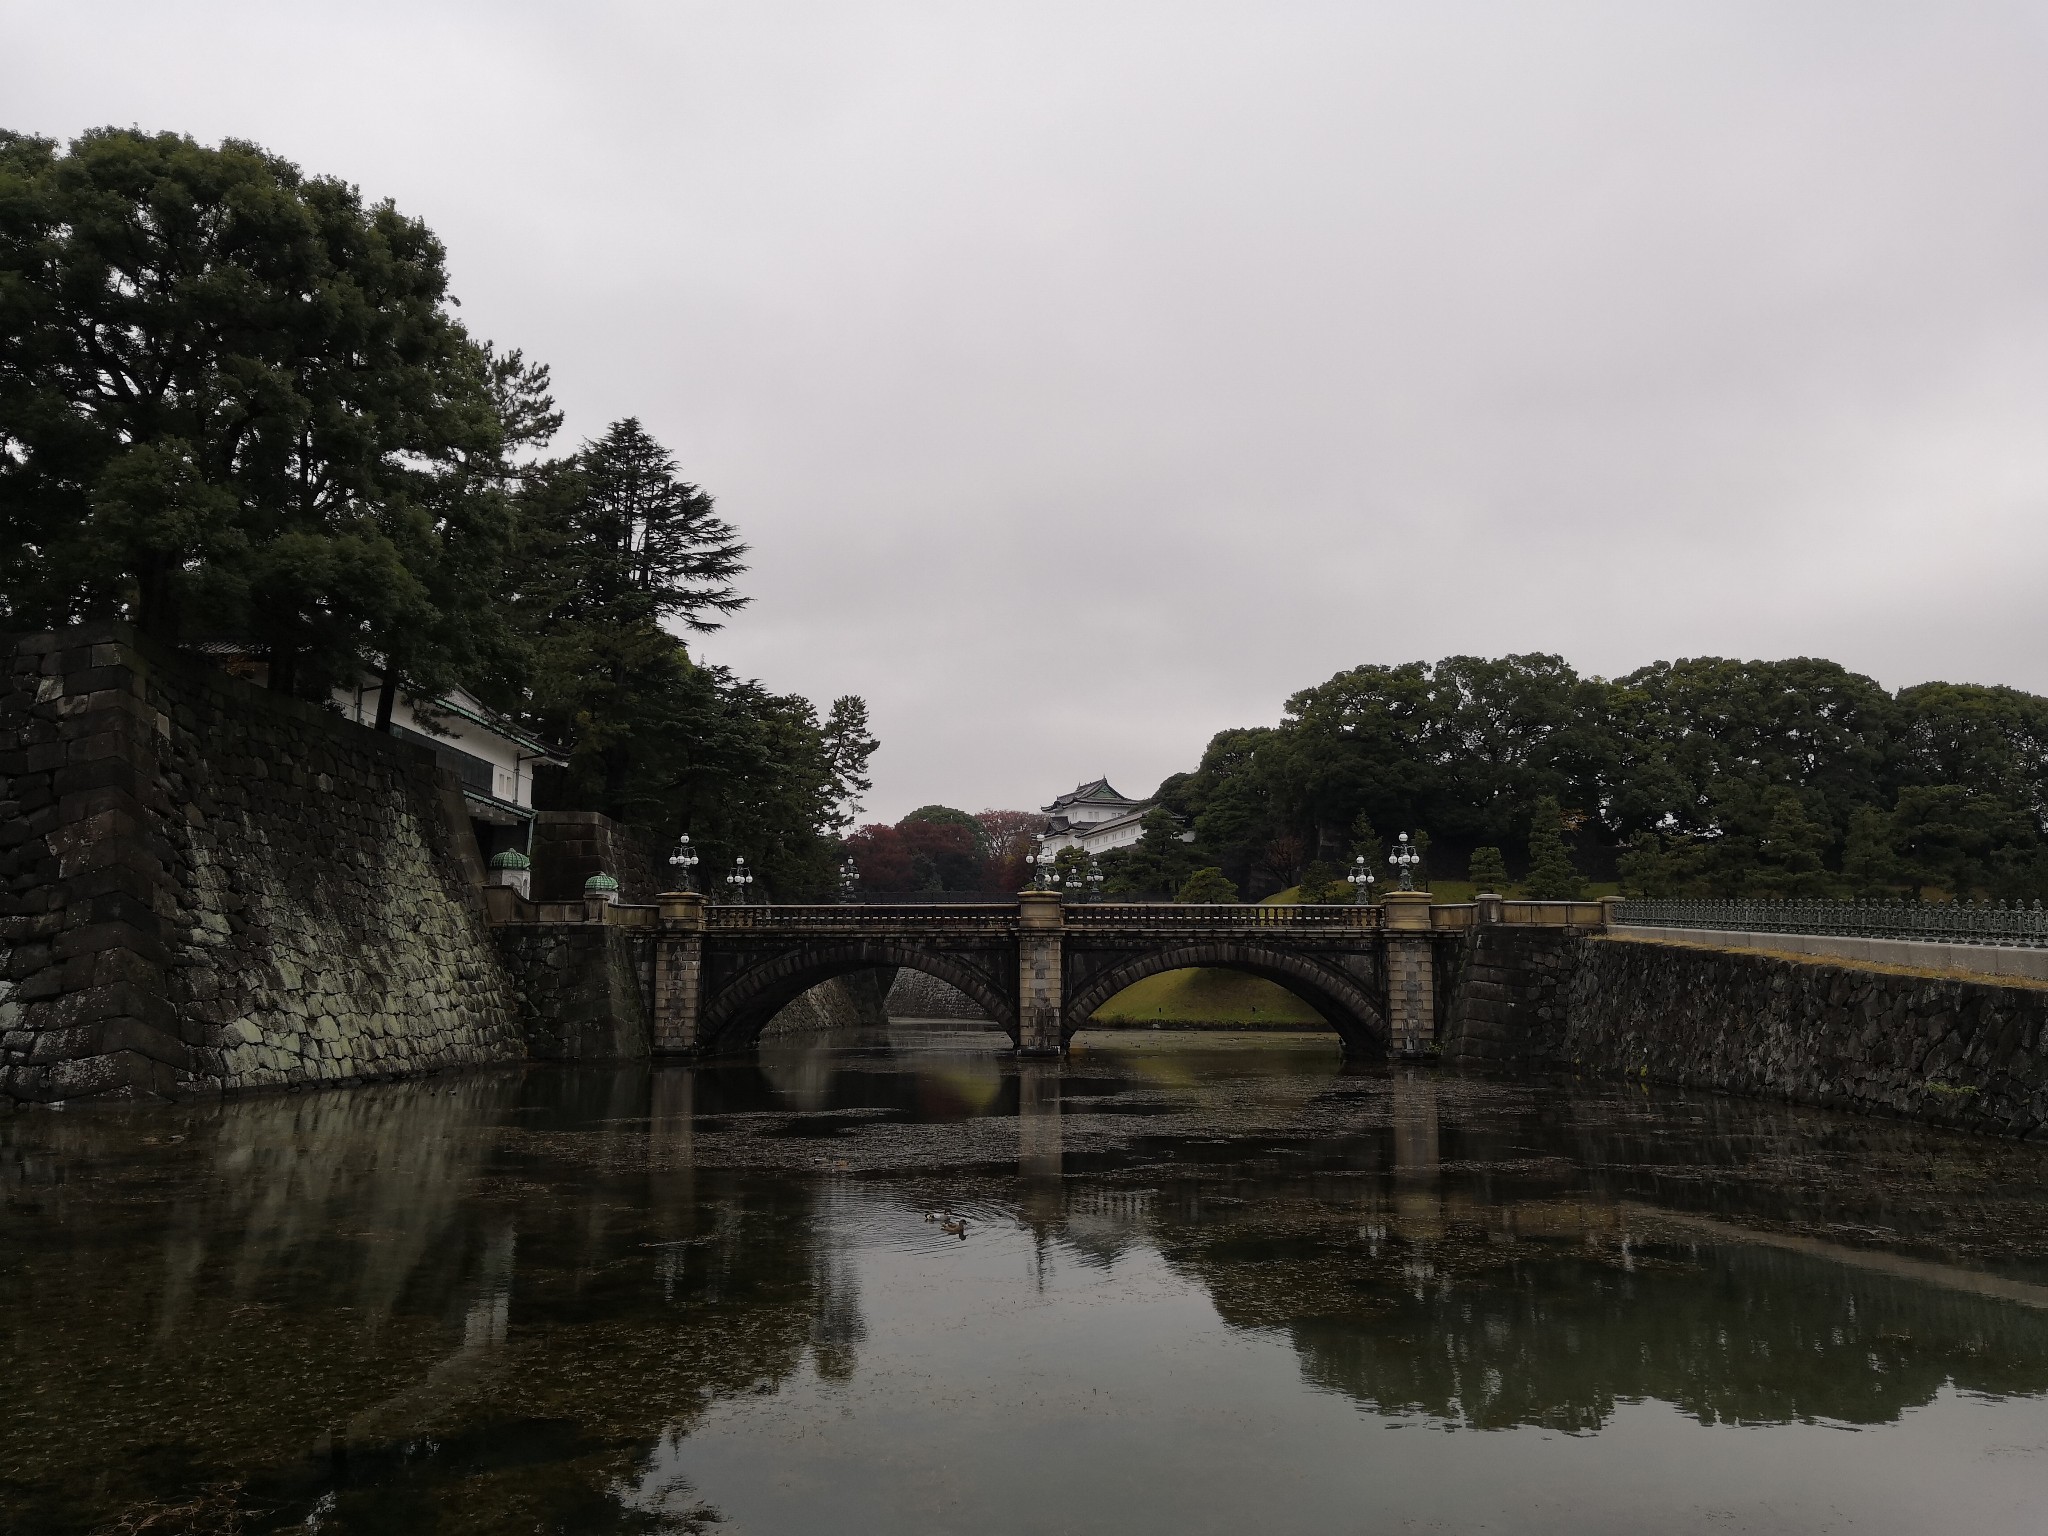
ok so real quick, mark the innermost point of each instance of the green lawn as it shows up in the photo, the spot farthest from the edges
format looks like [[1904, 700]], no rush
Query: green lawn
[[1206, 997]]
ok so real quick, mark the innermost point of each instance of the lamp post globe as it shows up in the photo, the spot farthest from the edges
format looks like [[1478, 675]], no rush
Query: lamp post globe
[[1405, 858], [684, 861], [740, 879], [1041, 869], [1361, 881]]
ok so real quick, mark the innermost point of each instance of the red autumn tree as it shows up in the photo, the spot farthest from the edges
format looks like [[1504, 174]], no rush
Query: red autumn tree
[[881, 857], [1008, 838]]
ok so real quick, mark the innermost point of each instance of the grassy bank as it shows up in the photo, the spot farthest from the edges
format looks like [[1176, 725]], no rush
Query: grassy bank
[[1196, 998]]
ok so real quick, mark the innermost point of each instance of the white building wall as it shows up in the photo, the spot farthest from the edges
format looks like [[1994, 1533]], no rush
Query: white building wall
[[511, 764], [1093, 841]]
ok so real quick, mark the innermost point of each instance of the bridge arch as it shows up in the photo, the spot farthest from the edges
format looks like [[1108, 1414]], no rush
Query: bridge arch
[[1338, 996], [734, 1018]]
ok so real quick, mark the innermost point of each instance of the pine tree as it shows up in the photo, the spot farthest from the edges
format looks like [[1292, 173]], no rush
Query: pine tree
[[1869, 863], [1489, 870], [1644, 870], [237, 405], [1323, 886], [1156, 864], [615, 546], [1789, 850], [1551, 876], [1207, 887], [1366, 844]]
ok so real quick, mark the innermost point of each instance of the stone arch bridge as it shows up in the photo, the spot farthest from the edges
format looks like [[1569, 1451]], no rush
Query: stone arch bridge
[[1039, 967]]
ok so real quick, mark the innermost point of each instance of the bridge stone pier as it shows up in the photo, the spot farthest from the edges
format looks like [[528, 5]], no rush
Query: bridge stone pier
[[1039, 966]]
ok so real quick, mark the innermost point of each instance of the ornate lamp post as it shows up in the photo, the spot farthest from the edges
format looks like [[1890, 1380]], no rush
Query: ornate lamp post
[[738, 881], [1361, 881], [849, 882], [684, 862], [1041, 870], [1094, 881], [1405, 858]]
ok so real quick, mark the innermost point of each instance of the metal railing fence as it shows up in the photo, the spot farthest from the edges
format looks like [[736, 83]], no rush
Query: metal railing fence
[[1938, 922]]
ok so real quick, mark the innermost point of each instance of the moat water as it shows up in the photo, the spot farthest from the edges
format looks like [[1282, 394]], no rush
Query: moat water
[[1177, 1283]]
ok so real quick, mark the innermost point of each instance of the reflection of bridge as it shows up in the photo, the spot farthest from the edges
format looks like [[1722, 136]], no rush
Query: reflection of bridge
[[1040, 967]]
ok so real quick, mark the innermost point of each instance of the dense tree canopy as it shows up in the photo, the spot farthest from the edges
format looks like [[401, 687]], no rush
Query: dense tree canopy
[[1702, 776], [235, 405]]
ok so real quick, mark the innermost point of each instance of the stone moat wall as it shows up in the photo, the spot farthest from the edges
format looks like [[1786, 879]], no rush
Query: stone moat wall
[[858, 1001], [1506, 1002], [1949, 1050], [1944, 1049], [210, 887], [571, 846], [914, 995], [583, 992]]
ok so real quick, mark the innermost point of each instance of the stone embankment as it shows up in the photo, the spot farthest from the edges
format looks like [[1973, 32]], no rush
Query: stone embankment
[[1940, 1048], [914, 995], [205, 887], [1949, 1049], [209, 887], [582, 992], [1506, 1005]]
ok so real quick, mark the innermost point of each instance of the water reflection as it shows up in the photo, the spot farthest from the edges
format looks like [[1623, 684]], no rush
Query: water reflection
[[512, 1299], [1039, 1153]]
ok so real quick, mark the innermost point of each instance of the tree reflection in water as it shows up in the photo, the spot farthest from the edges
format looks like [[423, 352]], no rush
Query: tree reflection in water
[[508, 1300]]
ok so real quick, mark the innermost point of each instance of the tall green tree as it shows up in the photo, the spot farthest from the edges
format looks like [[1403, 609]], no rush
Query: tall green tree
[[1870, 867], [617, 550], [234, 403], [617, 545], [1551, 875], [849, 743], [1789, 851]]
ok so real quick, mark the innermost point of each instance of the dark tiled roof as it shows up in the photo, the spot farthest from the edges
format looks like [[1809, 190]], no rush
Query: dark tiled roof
[[1095, 791]]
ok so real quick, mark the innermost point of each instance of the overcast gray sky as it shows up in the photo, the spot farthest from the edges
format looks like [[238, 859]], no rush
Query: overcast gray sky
[[1089, 377]]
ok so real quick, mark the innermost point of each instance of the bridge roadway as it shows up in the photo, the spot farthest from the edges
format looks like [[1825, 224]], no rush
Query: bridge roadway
[[1040, 967]]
